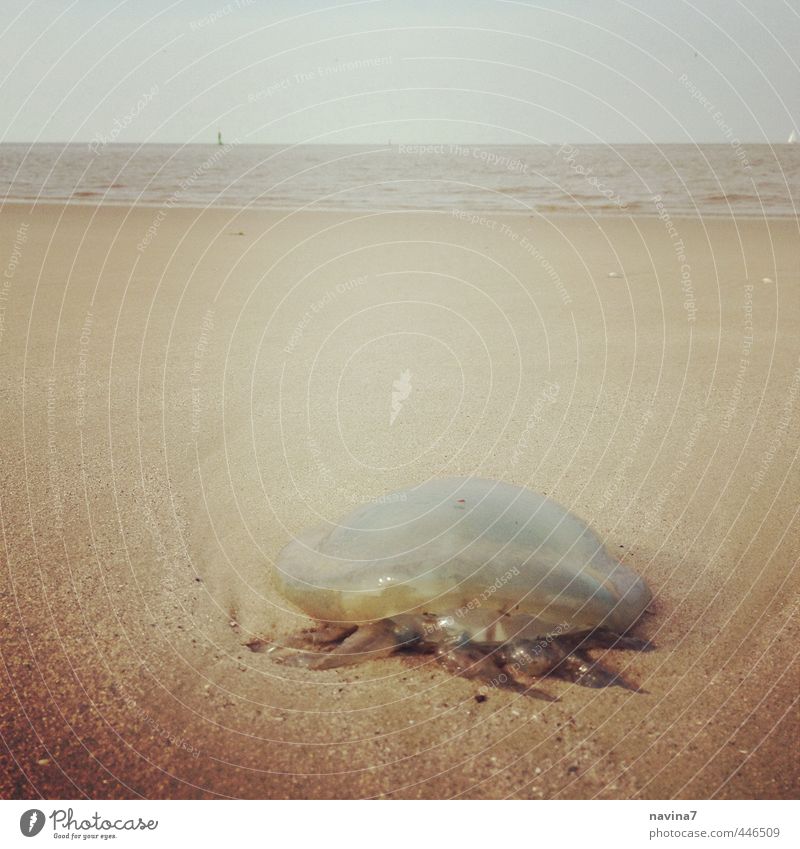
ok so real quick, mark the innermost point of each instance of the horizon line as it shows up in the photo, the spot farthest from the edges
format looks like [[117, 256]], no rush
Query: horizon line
[[390, 143]]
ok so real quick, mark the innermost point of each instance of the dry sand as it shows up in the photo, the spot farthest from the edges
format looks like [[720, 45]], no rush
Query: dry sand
[[172, 415]]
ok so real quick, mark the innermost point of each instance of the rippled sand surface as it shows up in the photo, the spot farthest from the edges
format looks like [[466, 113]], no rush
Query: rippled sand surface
[[181, 393]]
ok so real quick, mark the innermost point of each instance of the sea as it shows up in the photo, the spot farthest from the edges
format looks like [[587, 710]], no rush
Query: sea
[[739, 179]]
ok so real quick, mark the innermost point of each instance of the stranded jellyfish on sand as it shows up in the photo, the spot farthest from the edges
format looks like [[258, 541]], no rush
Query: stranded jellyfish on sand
[[497, 582]]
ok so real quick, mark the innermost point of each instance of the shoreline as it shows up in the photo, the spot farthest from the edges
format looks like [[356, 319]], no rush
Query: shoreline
[[533, 213]]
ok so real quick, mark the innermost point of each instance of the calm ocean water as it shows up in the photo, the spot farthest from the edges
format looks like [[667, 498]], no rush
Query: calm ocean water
[[717, 180]]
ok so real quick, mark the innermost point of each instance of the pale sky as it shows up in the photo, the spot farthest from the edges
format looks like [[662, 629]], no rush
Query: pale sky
[[413, 71]]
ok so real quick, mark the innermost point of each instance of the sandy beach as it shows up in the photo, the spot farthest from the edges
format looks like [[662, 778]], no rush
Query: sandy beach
[[183, 390]]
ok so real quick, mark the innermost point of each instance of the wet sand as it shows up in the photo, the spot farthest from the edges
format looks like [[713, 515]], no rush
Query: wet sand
[[176, 405]]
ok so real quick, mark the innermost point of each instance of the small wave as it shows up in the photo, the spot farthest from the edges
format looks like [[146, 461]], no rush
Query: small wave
[[732, 198], [573, 205]]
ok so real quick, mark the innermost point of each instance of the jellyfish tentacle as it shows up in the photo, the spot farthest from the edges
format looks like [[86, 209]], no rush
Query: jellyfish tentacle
[[325, 634], [605, 638], [516, 665], [581, 669], [486, 663], [468, 660], [368, 642], [526, 684]]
